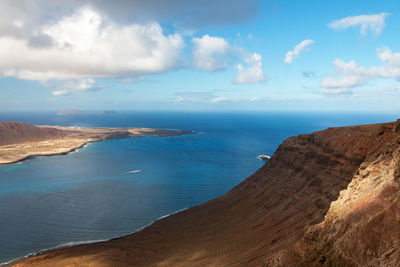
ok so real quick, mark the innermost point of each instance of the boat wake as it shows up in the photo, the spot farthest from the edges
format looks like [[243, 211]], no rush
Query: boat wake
[[135, 171]]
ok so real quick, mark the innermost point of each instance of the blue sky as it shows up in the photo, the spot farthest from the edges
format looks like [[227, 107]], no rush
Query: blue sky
[[192, 55]]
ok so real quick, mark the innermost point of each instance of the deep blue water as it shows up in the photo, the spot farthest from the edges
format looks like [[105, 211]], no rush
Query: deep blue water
[[98, 193]]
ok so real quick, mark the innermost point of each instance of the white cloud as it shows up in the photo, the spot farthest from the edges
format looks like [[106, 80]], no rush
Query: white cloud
[[218, 99], [194, 96], [302, 46], [255, 98], [200, 97], [374, 23], [67, 87], [353, 75], [344, 82], [336, 91], [387, 56], [215, 53], [254, 73], [45, 42], [87, 44], [179, 99], [211, 53]]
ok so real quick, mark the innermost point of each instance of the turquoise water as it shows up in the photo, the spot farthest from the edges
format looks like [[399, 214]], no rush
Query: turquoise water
[[113, 188]]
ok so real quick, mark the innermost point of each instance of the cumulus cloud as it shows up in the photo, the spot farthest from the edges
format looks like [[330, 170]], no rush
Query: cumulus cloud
[[302, 46], [253, 73], [211, 53], [87, 44], [67, 87], [373, 23], [74, 40], [353, 75], [347, 81], [215, 53], [387, 56]]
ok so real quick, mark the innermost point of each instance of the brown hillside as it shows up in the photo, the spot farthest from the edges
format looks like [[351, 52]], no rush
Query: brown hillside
[[276, 217], [17, 132]]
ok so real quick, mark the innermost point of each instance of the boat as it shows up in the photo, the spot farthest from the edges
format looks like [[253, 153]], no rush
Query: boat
[[264, 157]]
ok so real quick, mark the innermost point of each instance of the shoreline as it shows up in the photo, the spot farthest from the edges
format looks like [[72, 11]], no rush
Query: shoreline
[[66, 152], [67, 140], [83, 242], [60, 246], [291, 202], [70, 140]]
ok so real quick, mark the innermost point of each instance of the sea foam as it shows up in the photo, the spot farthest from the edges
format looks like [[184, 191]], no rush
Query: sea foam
[[71, 244]]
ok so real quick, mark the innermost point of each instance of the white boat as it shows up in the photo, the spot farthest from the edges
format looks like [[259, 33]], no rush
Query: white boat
[[264, 157]]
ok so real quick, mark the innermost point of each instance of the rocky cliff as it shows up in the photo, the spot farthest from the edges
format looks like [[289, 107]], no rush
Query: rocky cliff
[[361, 227], [329, 198]]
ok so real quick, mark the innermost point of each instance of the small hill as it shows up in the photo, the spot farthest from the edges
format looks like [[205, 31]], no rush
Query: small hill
[[17, 132]]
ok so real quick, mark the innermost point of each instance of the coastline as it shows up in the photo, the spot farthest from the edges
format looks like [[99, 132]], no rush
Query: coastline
[[268, 216], [32, 156], [83, 242], [45, 250], [70, 139]]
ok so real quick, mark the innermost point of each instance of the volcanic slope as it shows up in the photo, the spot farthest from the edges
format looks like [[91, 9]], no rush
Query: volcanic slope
[[328, 198]]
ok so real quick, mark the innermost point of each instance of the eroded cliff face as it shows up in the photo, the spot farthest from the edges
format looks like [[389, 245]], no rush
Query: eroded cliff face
[[288, 213], [362, 227]]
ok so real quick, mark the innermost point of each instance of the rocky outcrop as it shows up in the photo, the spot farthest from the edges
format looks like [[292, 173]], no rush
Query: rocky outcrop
[[327, 198]]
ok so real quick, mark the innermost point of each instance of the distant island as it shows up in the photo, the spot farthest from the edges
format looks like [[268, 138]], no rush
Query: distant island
[[20, 141], [330, 198]]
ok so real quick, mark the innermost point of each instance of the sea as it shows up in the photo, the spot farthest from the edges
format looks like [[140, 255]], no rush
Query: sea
[[114, 188]]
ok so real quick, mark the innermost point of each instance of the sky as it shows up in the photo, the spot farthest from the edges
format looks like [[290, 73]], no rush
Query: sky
[[200, 55]]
